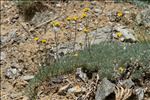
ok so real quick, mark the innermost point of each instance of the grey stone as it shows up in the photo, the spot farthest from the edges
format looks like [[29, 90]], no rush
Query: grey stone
[[3, 56], [112, 16], [11, 73], [3, 40], [27, 77], [97, 10], [58, 80], [12, 34], [140, 93], [56, 29], [105, 29], [104, 89], [80, 29], [93, 2], [127, 83], [139, 19], [101, 34], [81, 75], [128, 34]]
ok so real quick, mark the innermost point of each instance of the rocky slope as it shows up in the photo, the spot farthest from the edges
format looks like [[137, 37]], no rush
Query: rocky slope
[[21, 54]]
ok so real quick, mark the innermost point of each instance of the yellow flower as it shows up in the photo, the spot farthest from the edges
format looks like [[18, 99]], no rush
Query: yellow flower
[[85, 30], [43, 41], [84, 15], [36, 39], [56, 24], [75, 18], [68, 18], [119, 14], [121, 69], [86, 9], [119, 34]]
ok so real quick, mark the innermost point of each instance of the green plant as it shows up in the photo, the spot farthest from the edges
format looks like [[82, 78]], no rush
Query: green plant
[[56, 26], [105, 57]]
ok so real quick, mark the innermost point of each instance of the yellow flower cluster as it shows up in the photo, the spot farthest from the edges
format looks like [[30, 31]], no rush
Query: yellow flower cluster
[[68, 18], [121, 69], [85, 30], [119, 13], [86, 9], [43, 41], [119, 34], [36, 38], [56, 23], [83, 15], [75, 18]]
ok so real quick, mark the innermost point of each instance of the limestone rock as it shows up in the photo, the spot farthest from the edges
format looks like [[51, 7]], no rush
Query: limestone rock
[[81, 75], [11, 72], [128, 34], [104, 89], [127, 83]]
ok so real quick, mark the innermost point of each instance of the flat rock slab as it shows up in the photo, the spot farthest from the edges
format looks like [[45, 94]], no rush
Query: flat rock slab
[[104, 89]]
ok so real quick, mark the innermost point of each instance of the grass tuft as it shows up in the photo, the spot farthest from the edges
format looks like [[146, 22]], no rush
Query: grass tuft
[[103, 57]]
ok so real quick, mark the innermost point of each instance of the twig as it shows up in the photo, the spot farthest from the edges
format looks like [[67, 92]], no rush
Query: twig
[[92, 88], [48, 21], [24, 28], [121, 93]]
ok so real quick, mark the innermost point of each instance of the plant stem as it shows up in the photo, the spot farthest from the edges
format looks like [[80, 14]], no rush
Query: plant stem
[[74, 45], [56, 46]]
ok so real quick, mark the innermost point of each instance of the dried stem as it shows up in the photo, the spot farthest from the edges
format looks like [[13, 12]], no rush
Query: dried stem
[[56, 42], [75, 37]]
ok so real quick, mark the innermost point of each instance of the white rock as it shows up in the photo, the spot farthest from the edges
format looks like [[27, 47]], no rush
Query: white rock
[[93, 2], [140, 93], [27, 77], [58, 5], [128, 34], [56, 29], [11, 73], [127, 83], [76, 89], [97, 10], [2, 56]]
